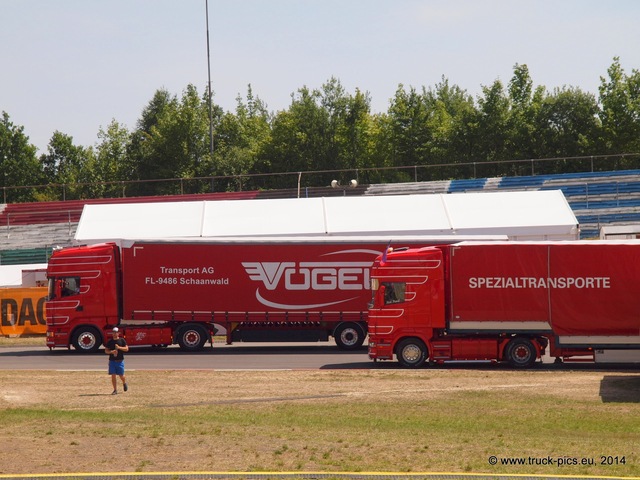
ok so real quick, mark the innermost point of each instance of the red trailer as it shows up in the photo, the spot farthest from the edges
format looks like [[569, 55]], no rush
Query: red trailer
[[165, 292], [507, 302]]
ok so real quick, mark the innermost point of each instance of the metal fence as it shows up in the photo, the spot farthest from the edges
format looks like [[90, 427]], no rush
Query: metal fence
[[323, 178]]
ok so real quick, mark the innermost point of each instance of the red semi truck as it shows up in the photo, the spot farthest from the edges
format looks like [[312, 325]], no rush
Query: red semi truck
[[507, 302], [166, 292]]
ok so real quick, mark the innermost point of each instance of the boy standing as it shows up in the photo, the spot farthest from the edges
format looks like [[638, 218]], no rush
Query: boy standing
[[115, 348]]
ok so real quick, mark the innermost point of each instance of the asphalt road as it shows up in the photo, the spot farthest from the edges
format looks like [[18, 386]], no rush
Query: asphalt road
[[249, 356], [220, 357]]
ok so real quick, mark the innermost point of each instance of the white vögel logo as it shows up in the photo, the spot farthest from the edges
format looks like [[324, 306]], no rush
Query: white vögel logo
[[317, 276]]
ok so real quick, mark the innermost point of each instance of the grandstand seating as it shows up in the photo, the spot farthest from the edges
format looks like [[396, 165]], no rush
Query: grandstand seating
[[28, 231], [32, 228], [25, 256], [596, 198]]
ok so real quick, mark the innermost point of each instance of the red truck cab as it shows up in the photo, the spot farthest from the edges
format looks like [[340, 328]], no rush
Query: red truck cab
[[83, 286], [408, 303]]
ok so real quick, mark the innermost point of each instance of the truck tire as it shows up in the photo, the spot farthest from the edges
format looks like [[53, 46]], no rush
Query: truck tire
[[87, 339], [349, 336], [192, 338], [521, 353], [411, 352]]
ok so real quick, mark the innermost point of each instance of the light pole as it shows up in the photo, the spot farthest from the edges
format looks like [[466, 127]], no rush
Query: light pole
[[209, 73]]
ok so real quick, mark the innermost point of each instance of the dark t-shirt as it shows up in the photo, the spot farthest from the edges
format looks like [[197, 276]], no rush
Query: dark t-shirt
[[111, 345]]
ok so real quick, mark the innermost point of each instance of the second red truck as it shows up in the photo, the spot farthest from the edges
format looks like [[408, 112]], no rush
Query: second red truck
[[507, 302]]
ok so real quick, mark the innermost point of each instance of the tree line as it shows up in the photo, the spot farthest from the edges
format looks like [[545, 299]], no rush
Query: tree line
[[330, 129]]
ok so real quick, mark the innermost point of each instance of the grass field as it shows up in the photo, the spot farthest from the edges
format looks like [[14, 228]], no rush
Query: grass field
[[22, 341], [431, 420]]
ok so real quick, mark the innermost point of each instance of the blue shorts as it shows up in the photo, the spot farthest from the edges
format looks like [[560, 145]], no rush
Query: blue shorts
[[116, 368]]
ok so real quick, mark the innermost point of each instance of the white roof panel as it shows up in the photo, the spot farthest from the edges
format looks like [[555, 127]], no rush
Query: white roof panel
[[263, 217], [536, 215], [140, 220], [539, 215], [397, 214], [504, 209]]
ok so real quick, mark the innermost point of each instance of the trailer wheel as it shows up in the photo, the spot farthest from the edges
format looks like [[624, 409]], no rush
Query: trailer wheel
[[349, 336], [411, 352], [87, 340], [192, 338], [521, 353]]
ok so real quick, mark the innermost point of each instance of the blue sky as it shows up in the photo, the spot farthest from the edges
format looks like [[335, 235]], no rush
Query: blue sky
[[74, 65]]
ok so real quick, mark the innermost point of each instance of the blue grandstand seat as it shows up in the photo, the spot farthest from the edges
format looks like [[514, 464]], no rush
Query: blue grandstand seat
[[466, 185]]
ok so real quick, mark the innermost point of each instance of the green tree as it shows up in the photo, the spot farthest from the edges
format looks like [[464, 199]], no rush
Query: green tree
[[620, 110], [380, 150], [356, 133], [493, 133], [111, 162], [319, 131], [19, 166], [567, 126], [172, 142], [450, 121], [410, 137], [431, 128], [525, 104], [240, 140], [140, 150], [65, 165]]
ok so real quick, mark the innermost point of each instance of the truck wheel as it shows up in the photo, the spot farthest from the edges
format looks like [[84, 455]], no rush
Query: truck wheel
[[87, 340], [411, 352], [349, 336], [521, 353], [192, 338]]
